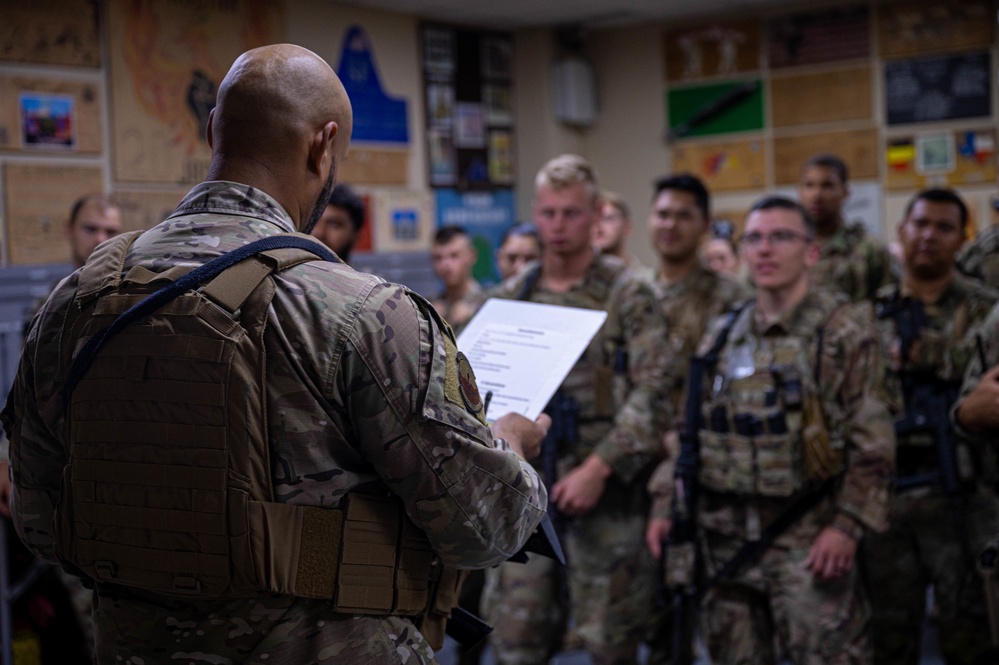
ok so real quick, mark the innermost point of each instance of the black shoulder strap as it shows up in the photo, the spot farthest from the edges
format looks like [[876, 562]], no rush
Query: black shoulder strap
[[751, 550], [158, 299]]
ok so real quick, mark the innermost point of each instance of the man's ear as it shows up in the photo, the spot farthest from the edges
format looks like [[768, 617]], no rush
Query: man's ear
[[208, 129], [321, 147]]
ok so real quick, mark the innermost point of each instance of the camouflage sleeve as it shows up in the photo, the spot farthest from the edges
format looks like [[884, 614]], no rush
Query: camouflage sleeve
[[636, 438], [880, 268], [984, 354], [413, 413], [864, 409], [33, 420], [660, 487]]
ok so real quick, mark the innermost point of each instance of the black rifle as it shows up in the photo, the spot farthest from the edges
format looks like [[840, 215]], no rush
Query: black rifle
[[684, 531], [928, 400]]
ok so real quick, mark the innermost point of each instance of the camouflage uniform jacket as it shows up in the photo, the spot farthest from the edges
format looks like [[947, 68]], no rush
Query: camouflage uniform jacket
[[622, 416], [984, 355], [948, 341], [459, 312], [851, 392], [355, 373], [853, 263], [980, 259], [689, 306]]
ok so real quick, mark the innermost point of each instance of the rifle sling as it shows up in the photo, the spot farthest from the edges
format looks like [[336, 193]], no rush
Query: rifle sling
[[752, 550]]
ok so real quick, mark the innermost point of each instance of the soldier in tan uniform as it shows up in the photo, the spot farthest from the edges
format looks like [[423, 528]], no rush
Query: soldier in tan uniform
[[793, 427], [941, 514], [609, 418], [372, 439], [849, 261], [690, 296]]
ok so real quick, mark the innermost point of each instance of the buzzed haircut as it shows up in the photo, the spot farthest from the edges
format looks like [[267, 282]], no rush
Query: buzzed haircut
[[446, 234], [828, 161], [774, 202], [343, 196], [939, 195], [102, 201], [616, 200], [565, 171], [685, 182]]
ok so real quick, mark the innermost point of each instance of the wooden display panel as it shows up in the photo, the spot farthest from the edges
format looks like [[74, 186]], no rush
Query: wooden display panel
[[142, 210], [54, 32], [370, 166], [822, 97], [717, 49], [973, 161], [724, 166], [166, 63], [914, 28], [39, 198], [86, 111], [823, 35], [859, 149]]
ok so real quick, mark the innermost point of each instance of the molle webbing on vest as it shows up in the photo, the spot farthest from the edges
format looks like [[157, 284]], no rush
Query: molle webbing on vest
[[168, 487]]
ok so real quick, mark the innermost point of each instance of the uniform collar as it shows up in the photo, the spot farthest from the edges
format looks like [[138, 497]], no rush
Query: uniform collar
[[801, 319], [222, 197]]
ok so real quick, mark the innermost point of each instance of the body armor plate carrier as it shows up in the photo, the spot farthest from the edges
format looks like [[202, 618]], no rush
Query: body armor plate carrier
[[168, 488]]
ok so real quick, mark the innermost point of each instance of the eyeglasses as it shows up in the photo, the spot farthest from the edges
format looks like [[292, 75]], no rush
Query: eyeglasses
[[778, 238]]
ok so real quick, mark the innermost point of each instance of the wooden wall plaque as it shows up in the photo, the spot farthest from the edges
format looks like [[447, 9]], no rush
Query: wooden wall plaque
[[39, 199], [724, 166], [822, 97]]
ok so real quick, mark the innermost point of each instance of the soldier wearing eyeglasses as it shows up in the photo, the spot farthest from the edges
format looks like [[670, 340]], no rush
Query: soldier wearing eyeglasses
[[796, 448]]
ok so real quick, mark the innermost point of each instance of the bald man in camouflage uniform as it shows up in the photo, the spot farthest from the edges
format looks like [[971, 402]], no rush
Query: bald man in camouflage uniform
[[849, 261], [359, 392], [927, 540], [779, 430], [619, 384], [691, 296]]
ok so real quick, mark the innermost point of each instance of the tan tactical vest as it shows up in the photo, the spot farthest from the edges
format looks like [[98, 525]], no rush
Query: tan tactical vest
[[168, 488], [764, 431]]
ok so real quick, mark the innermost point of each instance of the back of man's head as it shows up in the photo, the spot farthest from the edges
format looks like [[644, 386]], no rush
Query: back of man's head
[[274, 95], [565, 171], [685, 182]]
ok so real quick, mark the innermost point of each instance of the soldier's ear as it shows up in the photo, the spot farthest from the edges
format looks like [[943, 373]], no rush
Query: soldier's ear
[[208, 129]]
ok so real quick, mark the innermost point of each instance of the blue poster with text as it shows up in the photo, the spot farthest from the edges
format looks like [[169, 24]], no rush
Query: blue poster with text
[[485, 216]]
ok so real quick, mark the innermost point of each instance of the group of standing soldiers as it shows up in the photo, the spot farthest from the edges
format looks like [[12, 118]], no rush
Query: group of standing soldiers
[[805, 447]]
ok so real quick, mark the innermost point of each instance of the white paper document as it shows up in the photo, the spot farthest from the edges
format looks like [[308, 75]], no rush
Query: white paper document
[[522, 351]]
